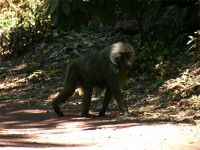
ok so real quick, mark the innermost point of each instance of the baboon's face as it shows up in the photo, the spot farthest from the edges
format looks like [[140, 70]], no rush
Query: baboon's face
[[125, 60], [122, 55]]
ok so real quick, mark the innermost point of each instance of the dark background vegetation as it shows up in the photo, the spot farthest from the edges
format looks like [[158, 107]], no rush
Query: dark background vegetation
[[39, 35]]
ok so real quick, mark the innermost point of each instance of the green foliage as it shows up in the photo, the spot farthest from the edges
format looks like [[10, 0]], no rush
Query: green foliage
[[156, 84], [21, 23], [105, 10], [166, 33], [77, 13], [66, 13], [150, 54], [16, 13], [93, 24]]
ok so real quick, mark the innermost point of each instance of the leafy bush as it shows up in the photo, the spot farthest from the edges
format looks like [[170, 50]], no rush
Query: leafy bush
[[150, 54], [21, 21], [66, 13]]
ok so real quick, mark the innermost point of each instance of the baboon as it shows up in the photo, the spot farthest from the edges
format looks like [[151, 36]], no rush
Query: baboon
[[107, 68]]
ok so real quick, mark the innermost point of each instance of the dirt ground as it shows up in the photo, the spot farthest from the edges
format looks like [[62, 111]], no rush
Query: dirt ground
[[26, 126], [28, 122]]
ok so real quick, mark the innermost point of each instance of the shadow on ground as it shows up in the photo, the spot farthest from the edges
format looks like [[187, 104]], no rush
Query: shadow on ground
[[26, 124]]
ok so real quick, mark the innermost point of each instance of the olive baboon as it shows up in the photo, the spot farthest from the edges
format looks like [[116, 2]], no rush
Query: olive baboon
[[107, 68]]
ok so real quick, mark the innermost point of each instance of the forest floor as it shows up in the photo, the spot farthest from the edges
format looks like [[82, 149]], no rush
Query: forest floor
[[157, 121]]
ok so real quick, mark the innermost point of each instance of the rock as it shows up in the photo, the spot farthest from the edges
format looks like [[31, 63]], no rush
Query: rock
[[127, 27]]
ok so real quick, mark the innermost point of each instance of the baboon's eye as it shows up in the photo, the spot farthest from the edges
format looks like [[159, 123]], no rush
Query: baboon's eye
[[125, 56]]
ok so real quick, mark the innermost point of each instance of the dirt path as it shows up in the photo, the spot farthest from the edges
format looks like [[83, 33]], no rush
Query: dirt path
[[27, 126]]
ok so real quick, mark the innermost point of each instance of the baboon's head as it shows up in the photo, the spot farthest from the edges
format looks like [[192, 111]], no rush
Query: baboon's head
[[122, 54]]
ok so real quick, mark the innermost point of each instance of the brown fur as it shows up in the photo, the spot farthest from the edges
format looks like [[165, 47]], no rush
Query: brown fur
[[98, 69]]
